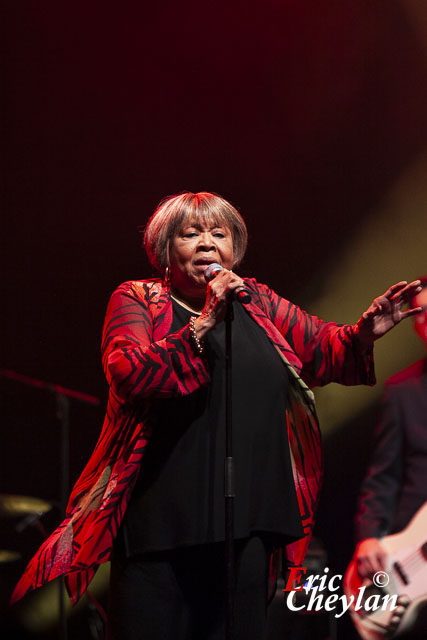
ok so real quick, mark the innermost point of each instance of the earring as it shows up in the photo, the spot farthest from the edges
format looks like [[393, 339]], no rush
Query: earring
[[167, 279]]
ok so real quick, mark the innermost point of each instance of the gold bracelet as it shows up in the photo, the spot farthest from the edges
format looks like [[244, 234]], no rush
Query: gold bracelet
[[193, 334]]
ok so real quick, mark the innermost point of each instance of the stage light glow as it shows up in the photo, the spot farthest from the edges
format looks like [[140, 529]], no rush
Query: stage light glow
[[39, 612], [390, 246]]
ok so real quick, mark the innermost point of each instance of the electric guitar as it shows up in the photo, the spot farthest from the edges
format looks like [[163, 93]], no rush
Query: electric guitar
[[406, 568]]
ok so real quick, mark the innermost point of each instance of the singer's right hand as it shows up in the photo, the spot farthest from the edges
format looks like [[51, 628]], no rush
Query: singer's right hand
[[219, 292]]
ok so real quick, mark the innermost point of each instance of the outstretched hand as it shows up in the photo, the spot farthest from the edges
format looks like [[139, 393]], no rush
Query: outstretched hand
[[385, 312]]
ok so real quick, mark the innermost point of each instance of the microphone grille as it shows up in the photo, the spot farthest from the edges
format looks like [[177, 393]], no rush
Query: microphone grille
[[212, 270]]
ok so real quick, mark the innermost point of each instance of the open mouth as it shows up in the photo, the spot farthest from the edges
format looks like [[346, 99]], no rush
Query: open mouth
[[204, 262]]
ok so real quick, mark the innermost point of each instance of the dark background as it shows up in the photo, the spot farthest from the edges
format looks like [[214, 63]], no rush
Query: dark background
[[303, 114]]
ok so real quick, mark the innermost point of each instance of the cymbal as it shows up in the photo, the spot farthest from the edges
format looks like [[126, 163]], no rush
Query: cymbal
[[12, 506], [9, 556]]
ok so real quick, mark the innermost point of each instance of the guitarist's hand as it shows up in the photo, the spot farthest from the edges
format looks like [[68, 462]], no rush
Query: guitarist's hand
[[370, 557]]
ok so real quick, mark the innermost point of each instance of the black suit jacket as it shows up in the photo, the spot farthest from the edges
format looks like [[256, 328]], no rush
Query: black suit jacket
[[396, 483]]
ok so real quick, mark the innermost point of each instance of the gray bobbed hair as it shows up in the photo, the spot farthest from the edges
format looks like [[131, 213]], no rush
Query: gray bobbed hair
[[202, 207]]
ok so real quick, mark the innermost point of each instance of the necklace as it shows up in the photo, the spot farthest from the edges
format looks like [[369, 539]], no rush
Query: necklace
[[197, 313]]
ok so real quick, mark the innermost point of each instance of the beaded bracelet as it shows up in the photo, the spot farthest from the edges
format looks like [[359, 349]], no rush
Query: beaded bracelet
[[193, 334]]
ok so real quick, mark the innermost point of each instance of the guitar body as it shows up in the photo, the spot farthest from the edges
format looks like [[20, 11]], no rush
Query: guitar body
[[406, 566]]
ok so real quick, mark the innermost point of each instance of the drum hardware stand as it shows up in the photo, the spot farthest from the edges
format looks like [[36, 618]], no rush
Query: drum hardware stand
[[62, 395]]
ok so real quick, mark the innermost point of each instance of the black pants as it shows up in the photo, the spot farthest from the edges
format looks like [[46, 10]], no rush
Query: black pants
[[179, 594]]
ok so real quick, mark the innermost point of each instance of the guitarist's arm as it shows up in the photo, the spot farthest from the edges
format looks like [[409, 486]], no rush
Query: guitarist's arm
[[381, 488]]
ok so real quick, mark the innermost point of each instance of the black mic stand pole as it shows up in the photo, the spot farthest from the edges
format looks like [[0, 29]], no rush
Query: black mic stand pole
[[229, 491]]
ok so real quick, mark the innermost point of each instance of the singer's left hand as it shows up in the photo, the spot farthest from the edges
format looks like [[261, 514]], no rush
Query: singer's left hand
[[385, 312]]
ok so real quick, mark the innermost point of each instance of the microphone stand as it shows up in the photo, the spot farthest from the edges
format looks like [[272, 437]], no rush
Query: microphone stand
[[229, 489]]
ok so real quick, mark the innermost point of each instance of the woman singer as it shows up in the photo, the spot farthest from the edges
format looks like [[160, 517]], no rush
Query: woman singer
[[151, 497]]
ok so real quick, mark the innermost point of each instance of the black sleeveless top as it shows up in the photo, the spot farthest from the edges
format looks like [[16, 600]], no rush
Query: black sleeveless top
[[178, 499]]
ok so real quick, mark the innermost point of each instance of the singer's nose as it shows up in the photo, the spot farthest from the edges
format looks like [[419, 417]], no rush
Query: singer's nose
[[206, 242]]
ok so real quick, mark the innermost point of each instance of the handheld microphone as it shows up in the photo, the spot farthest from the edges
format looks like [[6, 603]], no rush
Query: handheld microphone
[[241, 293]]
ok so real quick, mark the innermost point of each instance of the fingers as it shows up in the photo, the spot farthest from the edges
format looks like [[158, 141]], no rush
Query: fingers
[[224, 283], [407, 293], [403, 291], [399, 294], [367, 567], [399, 286], [370, 557], [218, 294], [411, 312]]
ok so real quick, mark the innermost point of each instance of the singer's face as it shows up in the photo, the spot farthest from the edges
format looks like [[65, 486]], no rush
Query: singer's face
[[192, 249]]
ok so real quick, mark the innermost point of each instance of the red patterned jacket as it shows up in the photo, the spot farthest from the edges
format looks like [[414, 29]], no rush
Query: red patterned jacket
[[142, 362]]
